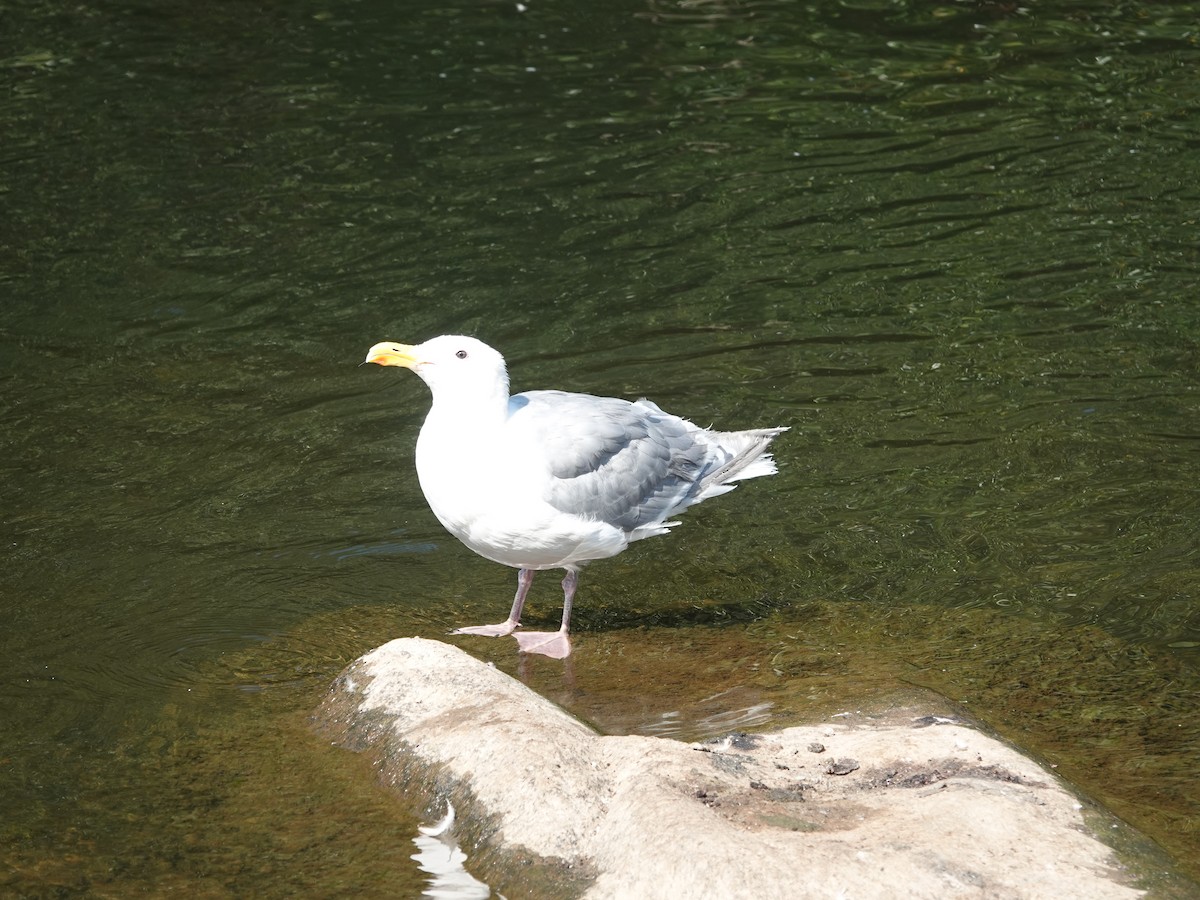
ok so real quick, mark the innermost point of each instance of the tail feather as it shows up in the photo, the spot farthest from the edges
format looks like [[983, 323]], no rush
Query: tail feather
[[745, 456], [748, 458]]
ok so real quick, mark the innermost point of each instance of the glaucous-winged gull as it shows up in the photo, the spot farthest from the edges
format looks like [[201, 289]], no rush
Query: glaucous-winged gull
[[553, 480]]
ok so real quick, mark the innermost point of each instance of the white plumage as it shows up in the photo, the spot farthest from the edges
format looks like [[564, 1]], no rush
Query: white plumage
[[553, 480]]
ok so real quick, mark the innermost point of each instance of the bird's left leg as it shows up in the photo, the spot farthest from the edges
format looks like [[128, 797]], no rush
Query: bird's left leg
[[524, 580], [555, 644]]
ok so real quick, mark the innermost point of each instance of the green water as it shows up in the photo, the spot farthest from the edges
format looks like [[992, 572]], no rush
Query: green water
[[952, 245]]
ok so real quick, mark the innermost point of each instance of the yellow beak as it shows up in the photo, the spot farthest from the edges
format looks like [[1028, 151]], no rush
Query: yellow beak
[[389, 354]]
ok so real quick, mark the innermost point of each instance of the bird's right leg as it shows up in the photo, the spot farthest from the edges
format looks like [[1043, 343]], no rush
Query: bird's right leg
[[555, 644], [524, 581]]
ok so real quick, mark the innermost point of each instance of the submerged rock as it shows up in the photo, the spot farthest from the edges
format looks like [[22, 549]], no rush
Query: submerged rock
[[904, 806]]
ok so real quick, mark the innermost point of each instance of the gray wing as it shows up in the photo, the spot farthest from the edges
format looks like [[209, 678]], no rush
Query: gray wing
[[627, 464]]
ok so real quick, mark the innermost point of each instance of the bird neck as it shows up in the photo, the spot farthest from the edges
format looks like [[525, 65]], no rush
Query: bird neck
[[472, 410]]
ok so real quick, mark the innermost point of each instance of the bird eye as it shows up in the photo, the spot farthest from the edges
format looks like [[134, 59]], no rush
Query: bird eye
[[461, 354]]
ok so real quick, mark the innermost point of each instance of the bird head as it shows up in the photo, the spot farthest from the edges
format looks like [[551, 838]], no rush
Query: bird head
[[452, 364]]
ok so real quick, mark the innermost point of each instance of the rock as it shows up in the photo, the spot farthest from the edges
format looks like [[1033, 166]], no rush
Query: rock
[[840, 766], [905, 806]]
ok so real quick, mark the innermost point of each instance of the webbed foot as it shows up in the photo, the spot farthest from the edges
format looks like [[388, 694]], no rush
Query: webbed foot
[[488, 630], [554, 644]]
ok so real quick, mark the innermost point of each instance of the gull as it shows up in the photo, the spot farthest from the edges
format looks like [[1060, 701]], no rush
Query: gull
[[552, 479]]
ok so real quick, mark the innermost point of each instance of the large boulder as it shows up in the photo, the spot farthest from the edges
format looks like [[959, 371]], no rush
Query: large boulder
[[902, 805]]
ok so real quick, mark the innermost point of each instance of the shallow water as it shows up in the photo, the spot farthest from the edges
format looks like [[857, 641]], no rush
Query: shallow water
[[952, 245]]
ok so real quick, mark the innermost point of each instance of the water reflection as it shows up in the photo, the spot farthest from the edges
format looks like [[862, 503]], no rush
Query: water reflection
[[440, 856]]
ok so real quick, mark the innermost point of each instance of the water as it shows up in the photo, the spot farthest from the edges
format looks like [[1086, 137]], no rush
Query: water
[[952, 245]]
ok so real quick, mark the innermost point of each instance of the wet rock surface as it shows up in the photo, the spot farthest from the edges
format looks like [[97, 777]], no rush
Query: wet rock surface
[[901, 805]]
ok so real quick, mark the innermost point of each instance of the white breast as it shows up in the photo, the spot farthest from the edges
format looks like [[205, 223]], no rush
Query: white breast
[[489, 495]]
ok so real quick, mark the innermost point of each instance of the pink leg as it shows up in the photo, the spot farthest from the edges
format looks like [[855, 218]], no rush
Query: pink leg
[[524, 581], [555, 644]]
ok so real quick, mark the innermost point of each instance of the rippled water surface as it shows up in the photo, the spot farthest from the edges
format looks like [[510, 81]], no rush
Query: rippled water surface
[[952, 245]]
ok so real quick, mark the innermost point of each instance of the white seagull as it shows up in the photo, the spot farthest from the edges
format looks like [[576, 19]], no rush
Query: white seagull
[[554, 480]]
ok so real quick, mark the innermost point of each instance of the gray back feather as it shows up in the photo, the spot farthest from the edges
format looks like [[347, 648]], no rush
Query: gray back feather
[[627, 464]]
